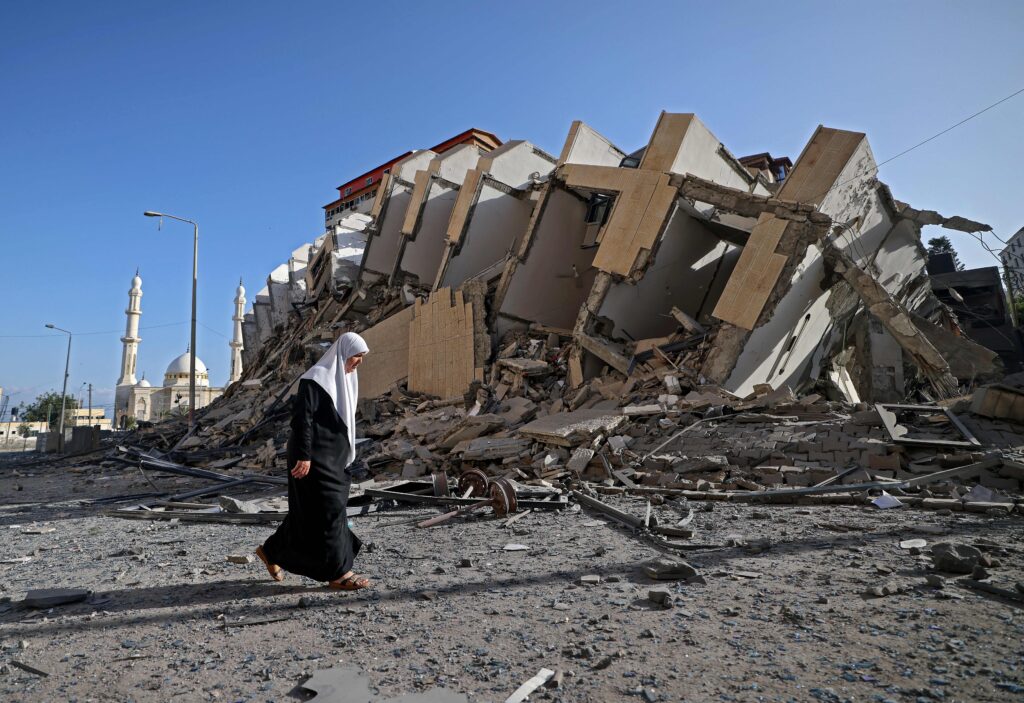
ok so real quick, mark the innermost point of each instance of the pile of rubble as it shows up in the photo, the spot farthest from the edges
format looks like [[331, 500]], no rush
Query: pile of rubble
[[671, 322]]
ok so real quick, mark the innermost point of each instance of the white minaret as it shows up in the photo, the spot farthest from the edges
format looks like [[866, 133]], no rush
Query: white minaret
[[130, 346], [236, 338]]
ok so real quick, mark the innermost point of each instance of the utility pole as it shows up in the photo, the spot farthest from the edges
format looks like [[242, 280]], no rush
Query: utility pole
[[90, 405], [64, 390], [192, 342]]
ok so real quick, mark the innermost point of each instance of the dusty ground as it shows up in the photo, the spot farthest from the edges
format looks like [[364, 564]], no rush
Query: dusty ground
[[797, 627]]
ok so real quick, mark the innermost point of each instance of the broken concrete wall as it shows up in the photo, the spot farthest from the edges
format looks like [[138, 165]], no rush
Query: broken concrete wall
[[297, 264], [264, 318], [492, 212], [388, 213], [690, 270], [584, 145], [548, 277], [442, 345], [426, 219], [349, 245], [553, 272], [779, 287], [279, 290], [388, 361], [250, 338], [660, 256]]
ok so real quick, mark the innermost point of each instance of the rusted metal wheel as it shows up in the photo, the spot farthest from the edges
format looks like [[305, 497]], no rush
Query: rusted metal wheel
[[503, 497], [475, 479], [440, 482]]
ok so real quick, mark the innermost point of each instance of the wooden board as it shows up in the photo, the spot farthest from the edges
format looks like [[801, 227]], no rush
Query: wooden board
[[441, 345], [388, 360]]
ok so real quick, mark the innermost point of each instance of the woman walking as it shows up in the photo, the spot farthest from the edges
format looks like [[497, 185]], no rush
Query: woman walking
[[314, 539]]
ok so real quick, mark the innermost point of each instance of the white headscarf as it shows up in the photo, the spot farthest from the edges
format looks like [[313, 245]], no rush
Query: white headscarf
[[329, 374]]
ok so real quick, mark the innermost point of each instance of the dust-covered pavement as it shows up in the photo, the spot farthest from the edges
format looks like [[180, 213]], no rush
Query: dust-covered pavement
[[170, 619]]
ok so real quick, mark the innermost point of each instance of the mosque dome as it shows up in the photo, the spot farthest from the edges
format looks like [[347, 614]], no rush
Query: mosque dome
[[143, 383], [177, 372], [136, 282], [240, 291]]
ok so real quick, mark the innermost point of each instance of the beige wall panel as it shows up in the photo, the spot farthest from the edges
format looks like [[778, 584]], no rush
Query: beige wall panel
[[755, 275], [441, 345], [388, 360], [666, 141], [383, 188], [639, 214], [464, 203], [416, 203], [820, 164]]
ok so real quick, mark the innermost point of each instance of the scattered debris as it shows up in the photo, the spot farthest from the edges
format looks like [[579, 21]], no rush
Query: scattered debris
[[531, 685], [51, 597]]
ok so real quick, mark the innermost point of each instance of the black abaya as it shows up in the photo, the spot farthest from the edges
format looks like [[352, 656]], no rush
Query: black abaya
[[314, 539]]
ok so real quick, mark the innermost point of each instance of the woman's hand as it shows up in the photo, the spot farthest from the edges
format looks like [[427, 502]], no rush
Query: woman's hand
[[300, 469]]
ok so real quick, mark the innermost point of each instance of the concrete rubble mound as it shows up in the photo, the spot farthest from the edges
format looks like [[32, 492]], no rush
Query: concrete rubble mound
[[673, 322]]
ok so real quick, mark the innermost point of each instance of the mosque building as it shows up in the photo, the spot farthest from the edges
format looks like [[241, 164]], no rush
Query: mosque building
[[139, 399]]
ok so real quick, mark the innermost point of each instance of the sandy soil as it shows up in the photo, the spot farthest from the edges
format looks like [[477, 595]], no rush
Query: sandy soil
[[162, 621]]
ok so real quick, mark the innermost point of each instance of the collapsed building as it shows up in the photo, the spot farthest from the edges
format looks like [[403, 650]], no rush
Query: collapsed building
[[804, 277], [548, 318]]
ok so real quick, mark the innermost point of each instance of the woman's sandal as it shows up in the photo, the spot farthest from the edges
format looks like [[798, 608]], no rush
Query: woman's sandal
[[352, 582], [276, 572]]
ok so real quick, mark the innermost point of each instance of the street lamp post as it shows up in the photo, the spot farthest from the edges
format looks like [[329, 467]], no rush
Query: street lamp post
[[192, 343], [64, 391]]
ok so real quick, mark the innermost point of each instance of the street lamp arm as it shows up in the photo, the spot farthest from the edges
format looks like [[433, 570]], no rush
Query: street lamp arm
[[150, 213]]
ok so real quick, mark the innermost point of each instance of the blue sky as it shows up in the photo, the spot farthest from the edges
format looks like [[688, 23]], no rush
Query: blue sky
[[246, 115]]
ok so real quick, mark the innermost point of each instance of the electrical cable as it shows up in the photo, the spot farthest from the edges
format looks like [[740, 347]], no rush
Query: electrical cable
[[877, 166]]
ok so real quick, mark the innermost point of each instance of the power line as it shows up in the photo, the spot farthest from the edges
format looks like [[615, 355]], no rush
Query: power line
[[952, 127], [922, 143], [87, 334]]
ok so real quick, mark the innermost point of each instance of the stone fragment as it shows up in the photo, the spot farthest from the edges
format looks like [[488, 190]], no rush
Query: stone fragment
[[887, 589], [934, 580], [51, 597], [240, 558], [660, 596], [590, 580], [955, 558], [671, 570], [233, 505], [913, 544]]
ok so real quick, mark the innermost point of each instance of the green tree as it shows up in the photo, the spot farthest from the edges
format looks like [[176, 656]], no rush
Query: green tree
[[24, 430], [1018, 304], [938, 245], [46, 407]]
